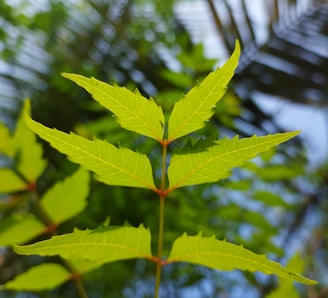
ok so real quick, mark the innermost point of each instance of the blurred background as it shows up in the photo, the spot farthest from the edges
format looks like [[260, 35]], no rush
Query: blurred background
[[276, 205]]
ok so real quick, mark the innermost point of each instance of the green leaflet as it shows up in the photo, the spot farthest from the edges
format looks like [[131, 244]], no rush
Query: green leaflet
[[83, 266], [20, 228], [10, 181], [41, 277], [286, 288], [67, 198], [203, 164], [103, 245], [134, 111], [191, 112], [113, 166], [225, 256], [29, 151], [6, 145]]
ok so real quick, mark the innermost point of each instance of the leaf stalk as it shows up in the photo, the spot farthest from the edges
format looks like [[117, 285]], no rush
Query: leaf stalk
[[161, 221]]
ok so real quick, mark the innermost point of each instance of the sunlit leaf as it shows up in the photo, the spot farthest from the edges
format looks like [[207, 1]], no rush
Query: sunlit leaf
[[103, 245], [222, 255], [30, 161], [83, 266], [41, 277], [20, 228], [134, 111], [67, 198], [113, 166], [286, 287], [7, 146], [203, 163], [10, 181], [191, 112]]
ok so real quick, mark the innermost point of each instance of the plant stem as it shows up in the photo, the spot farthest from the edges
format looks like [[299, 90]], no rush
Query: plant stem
[[160, 246], [161, 222], [77, 280], [48, 221]]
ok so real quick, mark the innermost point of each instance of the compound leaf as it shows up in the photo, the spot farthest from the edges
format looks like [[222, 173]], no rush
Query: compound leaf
[[191, 112], [67, 198], [112, 165], [221, 255], [20, 228], [134, 111], [103, 245], [200, 164], [41, 277]]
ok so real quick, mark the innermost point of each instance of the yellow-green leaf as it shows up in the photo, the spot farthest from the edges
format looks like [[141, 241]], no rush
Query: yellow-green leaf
[[286, 287], [7, 146], [29, 151], [112, 165], [134, 111], [203, 163], [222, 255], [67, 198], [20, 228], [10, 181], [191, 112], [39, 278], [103, 245]]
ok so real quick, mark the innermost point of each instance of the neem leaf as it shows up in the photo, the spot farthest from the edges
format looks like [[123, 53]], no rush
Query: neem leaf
[[30, 161], [112, 165], [39, 278], [134, 111], [222, 255], [103, 245], [198, 164], [19, 228], [190, 113], [286, 287], [67, 198], [10, 181], [6, 145]]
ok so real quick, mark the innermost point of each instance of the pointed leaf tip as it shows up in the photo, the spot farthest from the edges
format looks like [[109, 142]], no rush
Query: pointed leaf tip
[[134, 112], [196, 107], [222, 255], [112, 165], [204, 162]]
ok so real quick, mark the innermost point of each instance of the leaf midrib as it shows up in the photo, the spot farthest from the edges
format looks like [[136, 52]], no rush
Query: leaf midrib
[[93, 156], [150, 128], [91, 245], [221, 156]]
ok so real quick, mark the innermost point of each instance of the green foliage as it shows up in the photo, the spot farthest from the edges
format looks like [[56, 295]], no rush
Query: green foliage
[[48, 276], [113, 166], [286, 287], [206, 161], [62, 201], [20, 228], [222, 255], [102, 245], [202, 164], [134, 112], [192, 112]]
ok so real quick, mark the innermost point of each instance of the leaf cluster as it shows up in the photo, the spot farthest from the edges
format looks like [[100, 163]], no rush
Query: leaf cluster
[[204, 162]]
